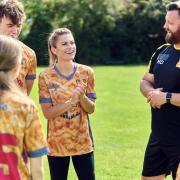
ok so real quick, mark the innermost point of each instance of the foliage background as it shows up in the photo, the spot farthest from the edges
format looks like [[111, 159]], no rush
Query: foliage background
[[106, 31]]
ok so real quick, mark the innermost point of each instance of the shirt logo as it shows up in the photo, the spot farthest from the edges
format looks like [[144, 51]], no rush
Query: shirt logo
[[162, 58]]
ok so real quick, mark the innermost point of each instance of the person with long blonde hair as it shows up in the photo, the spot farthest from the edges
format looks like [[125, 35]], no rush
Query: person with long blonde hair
[[20, 127], [67, 95]]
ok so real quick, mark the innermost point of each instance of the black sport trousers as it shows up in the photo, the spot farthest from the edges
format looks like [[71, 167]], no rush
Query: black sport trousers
[[83, 165]]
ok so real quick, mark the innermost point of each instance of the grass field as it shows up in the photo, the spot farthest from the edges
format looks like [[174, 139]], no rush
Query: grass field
[[120, 124]]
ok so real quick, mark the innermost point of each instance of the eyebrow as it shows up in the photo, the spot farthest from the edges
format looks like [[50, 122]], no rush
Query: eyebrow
[[9, 24]]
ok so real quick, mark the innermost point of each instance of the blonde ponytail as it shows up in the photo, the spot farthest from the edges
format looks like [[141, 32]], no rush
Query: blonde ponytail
[[10, 56]]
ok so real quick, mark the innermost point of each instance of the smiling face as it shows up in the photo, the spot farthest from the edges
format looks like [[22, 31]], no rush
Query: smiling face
[[172, 26], [65, 47], [8, 28]]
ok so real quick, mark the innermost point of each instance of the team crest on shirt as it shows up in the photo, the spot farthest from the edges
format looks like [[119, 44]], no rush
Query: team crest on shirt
[[178, 64], [162, 58]]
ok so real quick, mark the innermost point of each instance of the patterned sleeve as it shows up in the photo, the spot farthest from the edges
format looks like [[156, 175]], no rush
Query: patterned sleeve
[[44, 95], [34, 138], [91, 90], [33, 66]]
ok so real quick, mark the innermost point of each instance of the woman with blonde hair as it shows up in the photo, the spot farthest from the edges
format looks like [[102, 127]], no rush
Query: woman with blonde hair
[[67, 95], [20, 127]]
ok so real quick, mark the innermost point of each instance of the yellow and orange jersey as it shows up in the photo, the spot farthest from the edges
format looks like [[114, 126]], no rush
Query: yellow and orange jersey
[[20, 129], [28, 67], [70, 133]]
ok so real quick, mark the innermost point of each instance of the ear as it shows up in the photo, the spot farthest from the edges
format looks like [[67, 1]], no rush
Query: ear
[[53, 50]]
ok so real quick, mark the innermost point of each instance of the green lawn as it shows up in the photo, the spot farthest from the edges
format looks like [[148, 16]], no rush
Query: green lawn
[[120, 124]]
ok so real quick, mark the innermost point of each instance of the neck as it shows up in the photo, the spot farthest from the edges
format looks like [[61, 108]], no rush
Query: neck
[[65, 67]]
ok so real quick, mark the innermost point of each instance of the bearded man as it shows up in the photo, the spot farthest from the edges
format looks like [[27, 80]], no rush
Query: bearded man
[[161, 86]]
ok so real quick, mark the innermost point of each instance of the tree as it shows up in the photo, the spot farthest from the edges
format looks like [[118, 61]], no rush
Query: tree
[[116, 31]]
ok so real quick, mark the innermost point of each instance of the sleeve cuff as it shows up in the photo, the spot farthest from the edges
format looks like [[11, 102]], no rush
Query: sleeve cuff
[[45, 100], [31, 77], [91, 95], [38, 153]]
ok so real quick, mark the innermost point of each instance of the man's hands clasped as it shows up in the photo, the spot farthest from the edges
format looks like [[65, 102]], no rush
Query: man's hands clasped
[[156, 98]]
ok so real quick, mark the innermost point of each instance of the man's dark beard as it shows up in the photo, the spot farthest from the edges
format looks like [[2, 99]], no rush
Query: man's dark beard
[[173, 38]]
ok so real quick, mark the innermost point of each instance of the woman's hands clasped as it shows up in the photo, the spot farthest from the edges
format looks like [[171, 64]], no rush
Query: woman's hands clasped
[[78, 93]]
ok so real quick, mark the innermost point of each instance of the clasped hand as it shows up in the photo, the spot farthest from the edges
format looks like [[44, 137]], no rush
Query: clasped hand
[[78, 92], [156, 98]]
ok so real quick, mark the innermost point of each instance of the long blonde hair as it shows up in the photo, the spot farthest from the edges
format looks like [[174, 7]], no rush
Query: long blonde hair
[[10, 56], [52, 43]]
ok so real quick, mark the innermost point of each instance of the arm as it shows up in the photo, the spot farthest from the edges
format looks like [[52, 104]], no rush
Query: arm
[[36, 165], [29, 85], [155, 97], [175, 99], [31, 76], [78, 95], [34, 142], [87, 104], [50, 111], [88, 93], [146, 84]]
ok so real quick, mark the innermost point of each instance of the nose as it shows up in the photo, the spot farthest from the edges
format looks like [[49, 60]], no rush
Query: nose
[[70, 46], [15, 31], [165, 25]]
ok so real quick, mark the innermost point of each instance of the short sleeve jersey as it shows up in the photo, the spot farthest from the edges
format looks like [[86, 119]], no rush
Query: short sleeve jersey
[[20, 129], [70, 133], [28, 67], [165, 66]]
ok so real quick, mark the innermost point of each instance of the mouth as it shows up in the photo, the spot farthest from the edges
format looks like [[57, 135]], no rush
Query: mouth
[[72, 52], [168, 32], [13, 35]]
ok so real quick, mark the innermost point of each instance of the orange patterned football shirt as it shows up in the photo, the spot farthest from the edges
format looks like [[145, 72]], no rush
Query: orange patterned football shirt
[[70, 133], [20, 129], [28, 67]]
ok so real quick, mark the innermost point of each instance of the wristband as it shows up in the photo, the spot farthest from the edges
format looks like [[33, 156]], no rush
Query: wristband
[[168, 97]]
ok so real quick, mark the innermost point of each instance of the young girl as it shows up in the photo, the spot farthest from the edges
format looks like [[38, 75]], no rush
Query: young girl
[[67, 96], [20, 127]]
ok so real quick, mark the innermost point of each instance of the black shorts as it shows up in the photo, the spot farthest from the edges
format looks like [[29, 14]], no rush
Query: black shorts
[[160, 159]]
